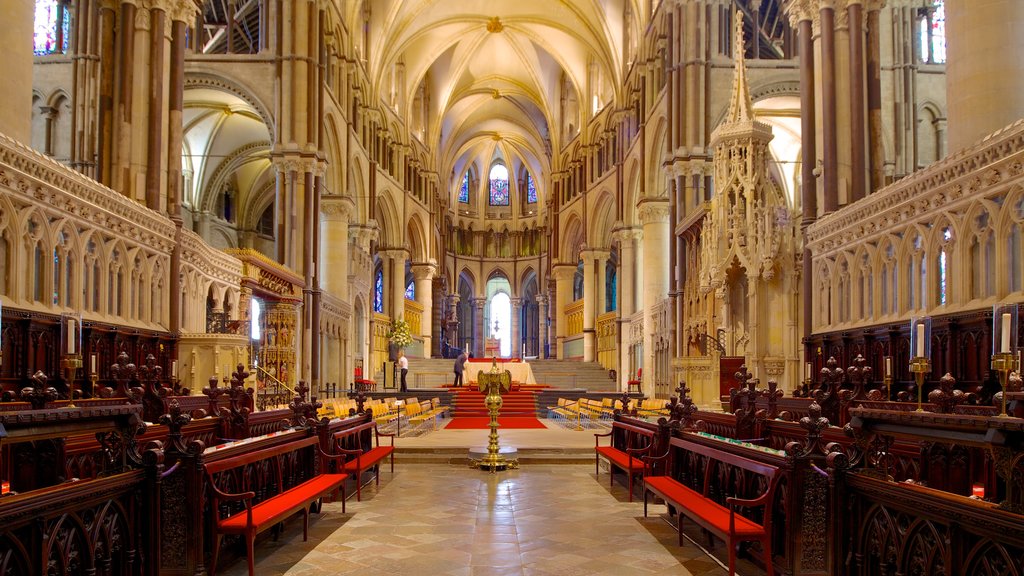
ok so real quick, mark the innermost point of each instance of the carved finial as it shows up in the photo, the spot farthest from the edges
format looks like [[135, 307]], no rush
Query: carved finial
[[39, 393], [149, 372], [741, 108]]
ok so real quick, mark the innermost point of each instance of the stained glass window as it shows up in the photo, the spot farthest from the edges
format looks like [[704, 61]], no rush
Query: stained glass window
[[531, 189], [933, 34], [410, 291], [378, 291], [611, 287], [499, 186], [464, 190], [45, 37]]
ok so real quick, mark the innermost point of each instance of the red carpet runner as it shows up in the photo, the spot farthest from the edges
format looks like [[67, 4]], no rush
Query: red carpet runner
[[469, 401], [481, 422]]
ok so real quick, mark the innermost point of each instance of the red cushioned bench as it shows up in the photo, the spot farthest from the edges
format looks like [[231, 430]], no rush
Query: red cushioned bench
[[628, 445], [361, 446], [273, 468], [723, 521]]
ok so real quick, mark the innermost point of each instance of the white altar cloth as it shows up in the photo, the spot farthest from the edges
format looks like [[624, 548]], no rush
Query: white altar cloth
[[521, 372]]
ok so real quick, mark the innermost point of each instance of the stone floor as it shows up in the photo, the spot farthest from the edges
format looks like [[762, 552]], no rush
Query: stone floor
[[443, 519]]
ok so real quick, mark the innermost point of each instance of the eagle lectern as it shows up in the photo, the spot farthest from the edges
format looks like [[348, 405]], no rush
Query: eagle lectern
[[494, 383]]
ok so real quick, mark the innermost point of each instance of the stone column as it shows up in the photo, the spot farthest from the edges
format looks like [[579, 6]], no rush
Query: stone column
[[876, 152], [397, 283], [516, 350], [563, 274], [423, 276], [16, 46], [589, 304], [830, 143], [984, 69], [436, 317], [654, 215], [858, 164], [542, 325], [801, 16], [479, 330], [335, 212], [627, 238]]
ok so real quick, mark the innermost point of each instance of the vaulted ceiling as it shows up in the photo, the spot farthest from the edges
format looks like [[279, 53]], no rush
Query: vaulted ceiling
[[497, 70]]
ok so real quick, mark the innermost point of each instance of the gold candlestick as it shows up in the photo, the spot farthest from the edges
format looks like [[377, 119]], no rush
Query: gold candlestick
[[71, 363], [1004, 363], [919, 366]]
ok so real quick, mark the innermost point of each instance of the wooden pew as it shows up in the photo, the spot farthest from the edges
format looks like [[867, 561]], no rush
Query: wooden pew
[[628, 444], [283, 492], [361, 445], [723, 521]]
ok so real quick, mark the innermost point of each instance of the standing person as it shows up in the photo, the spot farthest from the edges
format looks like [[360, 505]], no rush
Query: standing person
[[403, 363], [460, 366]]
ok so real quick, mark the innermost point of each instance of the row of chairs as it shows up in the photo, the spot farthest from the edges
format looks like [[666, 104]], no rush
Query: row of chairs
[[410, 414], [592, 413], [583, 412]]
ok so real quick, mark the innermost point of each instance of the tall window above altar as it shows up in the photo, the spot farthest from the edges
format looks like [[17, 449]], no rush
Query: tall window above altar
[[51, 28], [498, 195]]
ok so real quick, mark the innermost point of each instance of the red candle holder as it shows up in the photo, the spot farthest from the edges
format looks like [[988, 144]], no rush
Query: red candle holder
[[978, 491]]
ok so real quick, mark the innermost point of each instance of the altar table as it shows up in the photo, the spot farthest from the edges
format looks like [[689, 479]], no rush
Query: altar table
[[522, 373]]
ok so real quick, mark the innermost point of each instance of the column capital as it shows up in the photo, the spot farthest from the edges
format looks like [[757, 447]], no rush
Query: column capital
[[596, 253], [424, 270], [653, 211], [363, 234], [541, 299], [479, 303], [291, 161], [393, 253], [337, 208], [563, 272], [622, 233], [799, 10], [516, 302], [180, 10]]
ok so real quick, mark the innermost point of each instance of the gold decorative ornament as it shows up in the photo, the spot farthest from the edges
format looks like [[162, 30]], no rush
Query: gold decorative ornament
[[494, 25], [494, 383]]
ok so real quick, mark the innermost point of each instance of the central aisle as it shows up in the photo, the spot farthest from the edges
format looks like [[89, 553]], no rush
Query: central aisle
[[438, 520]]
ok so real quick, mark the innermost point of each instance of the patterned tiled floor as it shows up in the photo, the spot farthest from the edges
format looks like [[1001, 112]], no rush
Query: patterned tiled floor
[[439, 520]]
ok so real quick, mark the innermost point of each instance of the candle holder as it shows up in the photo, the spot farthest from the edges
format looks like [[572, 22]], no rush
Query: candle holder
[[94, 380], [70, 364], [921, 350], [1004, 346], [919, 367]]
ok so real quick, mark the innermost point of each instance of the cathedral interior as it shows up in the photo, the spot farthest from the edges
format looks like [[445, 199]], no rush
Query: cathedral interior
[[772, 248]]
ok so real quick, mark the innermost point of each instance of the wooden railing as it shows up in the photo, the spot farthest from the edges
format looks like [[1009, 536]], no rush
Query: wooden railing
[[608, 340], [574, 319]]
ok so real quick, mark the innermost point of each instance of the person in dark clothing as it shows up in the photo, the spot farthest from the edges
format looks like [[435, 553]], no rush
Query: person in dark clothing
[[460, 366]]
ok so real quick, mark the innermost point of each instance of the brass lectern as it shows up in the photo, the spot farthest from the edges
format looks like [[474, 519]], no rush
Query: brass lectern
[[494, 383]]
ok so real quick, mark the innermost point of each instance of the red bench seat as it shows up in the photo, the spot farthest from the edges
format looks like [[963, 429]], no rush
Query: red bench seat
[[363, 453], [724, 521], [258, 517], [633, 441]]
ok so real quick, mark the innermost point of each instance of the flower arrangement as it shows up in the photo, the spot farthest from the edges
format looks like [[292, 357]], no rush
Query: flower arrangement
[[399, 333]]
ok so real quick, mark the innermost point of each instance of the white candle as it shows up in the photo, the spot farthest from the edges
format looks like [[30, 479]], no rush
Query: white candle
[[807, 370], [71, 336], [920, 339], [1004, 344], [888, 366], [174, 368], [92, 364]]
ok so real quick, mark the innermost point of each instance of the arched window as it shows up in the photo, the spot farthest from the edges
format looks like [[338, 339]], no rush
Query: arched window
[[378, 291], [410, 291], [531, 189], [932, 33], [51, 28], [499, 186], [464, 189], [610, 288]]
